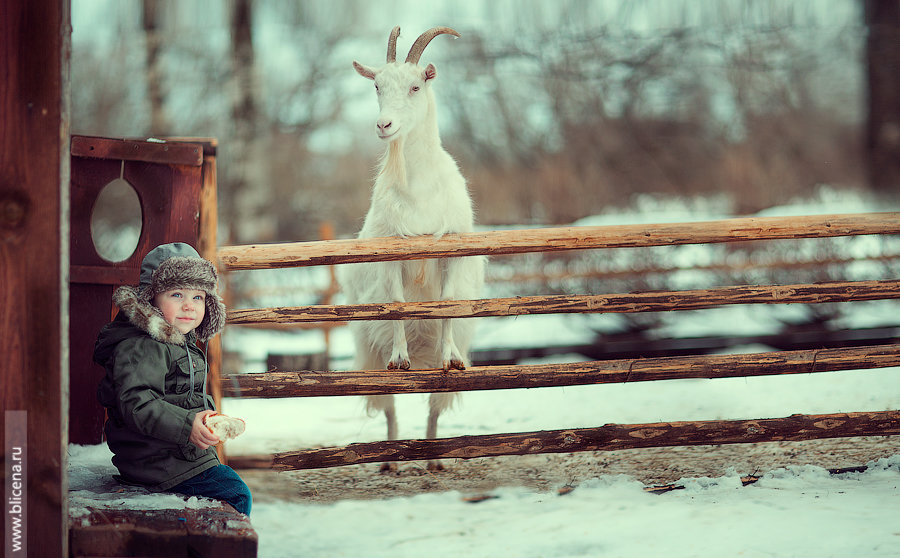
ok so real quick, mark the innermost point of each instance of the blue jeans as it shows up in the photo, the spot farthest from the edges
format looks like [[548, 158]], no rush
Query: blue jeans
[[219, 482]]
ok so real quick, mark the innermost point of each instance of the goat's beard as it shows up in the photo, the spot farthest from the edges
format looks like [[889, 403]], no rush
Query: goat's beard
[[393, 165]]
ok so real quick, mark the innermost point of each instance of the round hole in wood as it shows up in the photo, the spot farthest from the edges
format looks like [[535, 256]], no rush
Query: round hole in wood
[[116, 221]]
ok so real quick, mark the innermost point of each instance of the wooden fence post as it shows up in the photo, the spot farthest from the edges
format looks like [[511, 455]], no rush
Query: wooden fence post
[[34, 258], [207, 246]]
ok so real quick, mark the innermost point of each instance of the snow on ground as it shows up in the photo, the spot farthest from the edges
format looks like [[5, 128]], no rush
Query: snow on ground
[[796, 512], [799, 511]]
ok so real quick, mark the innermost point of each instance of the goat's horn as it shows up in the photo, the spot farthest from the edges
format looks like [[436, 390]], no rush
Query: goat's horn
[[416, 51], [392, 45]]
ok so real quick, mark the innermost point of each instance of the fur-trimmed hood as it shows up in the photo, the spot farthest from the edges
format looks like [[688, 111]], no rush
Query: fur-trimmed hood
[[167, 267]]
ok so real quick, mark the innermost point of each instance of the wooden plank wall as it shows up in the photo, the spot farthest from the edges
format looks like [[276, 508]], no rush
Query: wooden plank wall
[[34, 251]]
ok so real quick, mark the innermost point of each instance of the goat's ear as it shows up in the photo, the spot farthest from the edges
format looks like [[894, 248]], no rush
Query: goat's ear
[[364, 71], [430, 72]]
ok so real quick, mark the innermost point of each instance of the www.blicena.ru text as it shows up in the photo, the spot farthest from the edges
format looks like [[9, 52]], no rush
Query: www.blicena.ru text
[[15, 489]]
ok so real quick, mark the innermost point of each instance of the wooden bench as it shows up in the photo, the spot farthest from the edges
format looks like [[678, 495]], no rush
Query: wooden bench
[[107, 518], [214, 530]]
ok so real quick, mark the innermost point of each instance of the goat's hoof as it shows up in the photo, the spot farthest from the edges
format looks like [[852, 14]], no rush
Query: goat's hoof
[[435, 466], [388, 468], [395, 365], [455, 364]]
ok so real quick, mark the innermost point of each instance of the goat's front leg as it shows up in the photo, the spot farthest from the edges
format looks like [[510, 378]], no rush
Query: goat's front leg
[[399, 348], [451, 356]]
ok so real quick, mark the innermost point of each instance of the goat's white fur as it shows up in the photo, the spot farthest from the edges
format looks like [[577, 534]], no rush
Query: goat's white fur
[[418, 190]]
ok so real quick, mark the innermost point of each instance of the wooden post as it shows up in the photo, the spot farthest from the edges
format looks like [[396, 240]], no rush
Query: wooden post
[[34, 252], [326, 232], [207, 247], [882, 147]]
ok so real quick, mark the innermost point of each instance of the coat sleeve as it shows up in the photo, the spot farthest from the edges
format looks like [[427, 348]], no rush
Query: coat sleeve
[[139, 378]]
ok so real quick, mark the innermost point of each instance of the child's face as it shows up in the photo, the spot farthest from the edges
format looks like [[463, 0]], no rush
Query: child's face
[[183, 308]]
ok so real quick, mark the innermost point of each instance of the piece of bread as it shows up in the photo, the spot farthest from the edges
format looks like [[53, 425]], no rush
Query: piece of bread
[[223, 426]]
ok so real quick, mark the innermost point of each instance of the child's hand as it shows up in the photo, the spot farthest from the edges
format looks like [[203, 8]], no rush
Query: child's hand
[[200, 434]]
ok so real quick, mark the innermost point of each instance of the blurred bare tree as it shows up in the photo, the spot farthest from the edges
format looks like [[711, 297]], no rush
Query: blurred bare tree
[[883, 124], [583, 119], [159, 120], [244, 176]]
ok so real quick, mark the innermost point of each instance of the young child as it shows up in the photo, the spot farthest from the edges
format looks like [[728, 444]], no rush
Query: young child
[[154, 389]]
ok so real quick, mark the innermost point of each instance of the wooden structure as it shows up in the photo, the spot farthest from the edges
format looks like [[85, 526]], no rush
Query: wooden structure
[[609, 437], [639, 338], [36, 211], [272, 256], [175, 182], [838, 291], [34, 252], [211, 531], [363, 382], [168, 179]]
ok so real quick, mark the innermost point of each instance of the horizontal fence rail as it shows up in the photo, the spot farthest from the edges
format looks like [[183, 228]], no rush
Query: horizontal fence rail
[[838, 291], [603, 438], [295, 254], [364, 382]]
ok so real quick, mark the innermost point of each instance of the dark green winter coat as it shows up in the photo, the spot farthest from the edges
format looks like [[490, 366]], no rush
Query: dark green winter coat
[[153, 389]]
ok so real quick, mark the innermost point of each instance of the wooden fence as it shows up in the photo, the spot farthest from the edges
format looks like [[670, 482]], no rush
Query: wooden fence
[[608, 437]]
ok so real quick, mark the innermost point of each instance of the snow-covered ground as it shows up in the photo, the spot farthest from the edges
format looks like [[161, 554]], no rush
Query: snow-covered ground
[[798, 511]]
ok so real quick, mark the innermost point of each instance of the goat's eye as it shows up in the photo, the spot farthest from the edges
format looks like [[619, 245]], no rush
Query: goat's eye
[[413, 89], [376, 89]]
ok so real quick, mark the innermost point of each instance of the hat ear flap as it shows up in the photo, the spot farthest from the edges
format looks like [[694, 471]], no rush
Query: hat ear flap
[[214, 320], [146, 294]]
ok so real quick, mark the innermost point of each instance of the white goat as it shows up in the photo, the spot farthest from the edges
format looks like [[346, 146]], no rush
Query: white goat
[[418, 190]]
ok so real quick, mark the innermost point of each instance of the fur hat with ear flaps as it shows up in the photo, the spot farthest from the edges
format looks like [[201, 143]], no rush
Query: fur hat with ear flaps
[[166, 267]]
